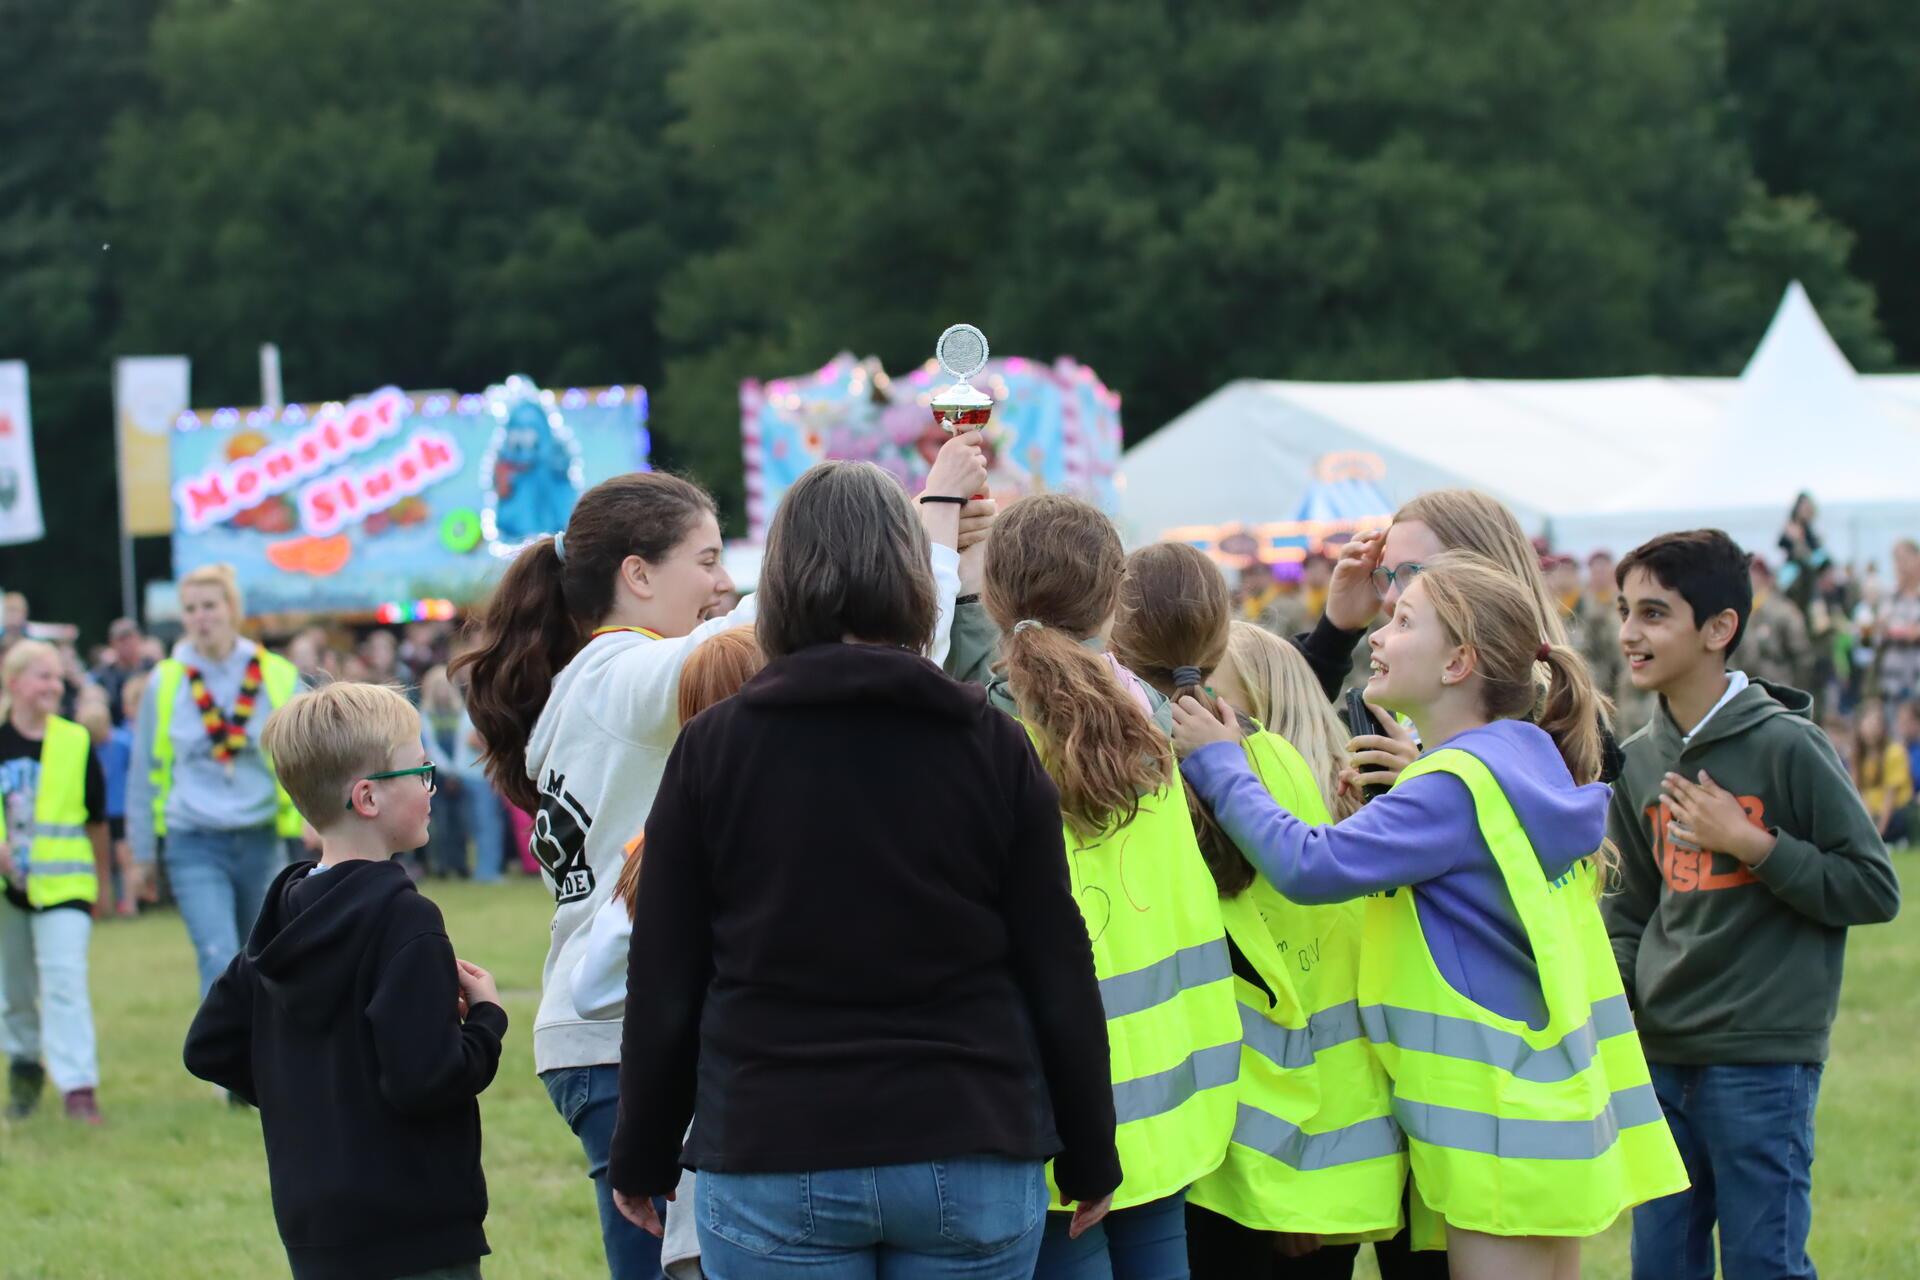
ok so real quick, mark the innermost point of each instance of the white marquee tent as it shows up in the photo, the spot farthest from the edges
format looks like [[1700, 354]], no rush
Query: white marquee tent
[[1599, 462]]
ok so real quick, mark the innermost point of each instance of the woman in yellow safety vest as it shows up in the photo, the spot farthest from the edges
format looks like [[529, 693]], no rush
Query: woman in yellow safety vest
[[1315, 1156], [1052, 575], [199, 780], [53, 858], [1486, 983]]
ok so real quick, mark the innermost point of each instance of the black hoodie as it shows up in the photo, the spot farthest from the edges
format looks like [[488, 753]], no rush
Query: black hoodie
[[339, 1020], [856, 941]]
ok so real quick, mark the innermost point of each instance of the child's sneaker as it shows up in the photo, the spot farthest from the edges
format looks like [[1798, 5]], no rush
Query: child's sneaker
[[82, 1106], [25, 1080]]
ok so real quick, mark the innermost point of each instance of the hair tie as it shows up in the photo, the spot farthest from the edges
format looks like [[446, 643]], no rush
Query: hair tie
[[1540, 654], [1027, 624], [560, 546], [1186, 677]]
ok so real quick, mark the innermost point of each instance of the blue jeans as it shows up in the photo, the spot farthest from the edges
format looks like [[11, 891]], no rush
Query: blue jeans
[[972, 1216], [588, 1100], [220, 878], [486, 822], [1746, 1134], [1146, 1242]]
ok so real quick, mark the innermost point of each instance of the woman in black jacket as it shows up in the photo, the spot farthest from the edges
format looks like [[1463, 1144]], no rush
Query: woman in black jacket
[[856, 961]]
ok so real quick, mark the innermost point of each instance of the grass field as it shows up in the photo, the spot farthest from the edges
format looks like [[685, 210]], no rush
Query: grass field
[[175, 1185]]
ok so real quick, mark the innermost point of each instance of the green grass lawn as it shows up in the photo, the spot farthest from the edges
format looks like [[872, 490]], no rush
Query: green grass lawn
[[176, 1185]]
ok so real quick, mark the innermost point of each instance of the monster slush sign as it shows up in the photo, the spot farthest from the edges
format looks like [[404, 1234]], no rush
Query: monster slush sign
[[391, 496]]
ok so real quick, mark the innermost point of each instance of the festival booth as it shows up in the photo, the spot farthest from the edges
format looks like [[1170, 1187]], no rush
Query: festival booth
[[394, 506], [1587, 463], [1055, 429]]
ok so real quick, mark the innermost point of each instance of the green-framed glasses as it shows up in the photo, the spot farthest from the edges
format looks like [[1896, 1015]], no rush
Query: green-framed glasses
[[1385, 578], [423, 772]]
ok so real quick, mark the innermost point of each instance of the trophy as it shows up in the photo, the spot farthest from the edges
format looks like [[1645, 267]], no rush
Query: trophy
[[962, 352]]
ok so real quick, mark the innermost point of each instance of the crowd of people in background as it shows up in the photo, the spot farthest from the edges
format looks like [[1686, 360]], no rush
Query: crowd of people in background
[[476, 833], [1846, 633]]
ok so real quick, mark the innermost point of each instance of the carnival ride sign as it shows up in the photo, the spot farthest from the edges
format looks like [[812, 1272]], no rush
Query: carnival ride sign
[[342, 506]]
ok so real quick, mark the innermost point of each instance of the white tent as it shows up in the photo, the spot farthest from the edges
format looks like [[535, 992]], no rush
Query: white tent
[[1599, 462]]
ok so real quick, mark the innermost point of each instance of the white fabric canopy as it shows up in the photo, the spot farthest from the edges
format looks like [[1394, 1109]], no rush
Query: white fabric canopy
[[1600, 462]]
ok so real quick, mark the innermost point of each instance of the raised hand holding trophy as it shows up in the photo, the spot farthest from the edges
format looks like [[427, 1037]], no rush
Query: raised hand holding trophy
[[962, 352]]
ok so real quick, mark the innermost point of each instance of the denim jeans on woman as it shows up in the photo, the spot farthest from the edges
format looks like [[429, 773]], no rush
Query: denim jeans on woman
[[1146, 1242], [220, 879], [44, 1006], [968, 1216], [588, 1099]]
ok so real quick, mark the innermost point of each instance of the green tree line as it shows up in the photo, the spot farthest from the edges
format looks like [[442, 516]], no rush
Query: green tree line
[[688, 192]]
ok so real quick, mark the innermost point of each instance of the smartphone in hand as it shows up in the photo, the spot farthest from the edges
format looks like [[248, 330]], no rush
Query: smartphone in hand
[[1360, 723]]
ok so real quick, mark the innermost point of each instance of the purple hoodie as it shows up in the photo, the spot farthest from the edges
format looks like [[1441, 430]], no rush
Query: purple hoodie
[[1424, 833]]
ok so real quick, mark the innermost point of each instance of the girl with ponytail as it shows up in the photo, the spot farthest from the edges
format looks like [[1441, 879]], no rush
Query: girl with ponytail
[[1341, 1169], [574, 680], [1487, 984], [1051, 582]]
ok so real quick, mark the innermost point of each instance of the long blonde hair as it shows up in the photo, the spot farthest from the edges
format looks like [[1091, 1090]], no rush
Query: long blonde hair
[[1053, 572], [1485, 610], [1285, 696], [20, 655], [1468, 520]]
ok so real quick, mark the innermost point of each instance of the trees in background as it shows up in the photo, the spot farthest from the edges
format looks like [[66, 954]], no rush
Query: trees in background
[[686, 192]]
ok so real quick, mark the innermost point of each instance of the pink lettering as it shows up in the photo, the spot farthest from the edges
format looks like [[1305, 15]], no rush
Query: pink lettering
[[280, 464], [245, 480], [436, 452], [203, 496]]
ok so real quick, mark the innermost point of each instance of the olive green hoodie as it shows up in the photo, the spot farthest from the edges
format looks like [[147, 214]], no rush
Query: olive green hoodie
[[1729, 964]]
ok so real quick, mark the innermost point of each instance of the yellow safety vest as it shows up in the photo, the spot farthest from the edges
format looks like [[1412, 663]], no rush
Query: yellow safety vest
[[1315, 1148], [1515, 1131], [60, 857], [279, 680], [1166, 982]]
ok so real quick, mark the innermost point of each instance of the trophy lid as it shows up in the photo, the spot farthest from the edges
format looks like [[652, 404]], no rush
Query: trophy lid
[[962, 352]]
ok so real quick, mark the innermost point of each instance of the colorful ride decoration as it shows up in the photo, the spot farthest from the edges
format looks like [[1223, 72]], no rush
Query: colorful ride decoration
[[345, 506], [1344, 499], [1055, 428]]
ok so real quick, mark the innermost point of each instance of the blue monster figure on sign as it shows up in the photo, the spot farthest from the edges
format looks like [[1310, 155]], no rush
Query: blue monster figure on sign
[[531, 472]]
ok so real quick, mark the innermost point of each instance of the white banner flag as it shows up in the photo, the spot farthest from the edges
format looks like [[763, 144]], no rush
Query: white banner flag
[[19, 488]]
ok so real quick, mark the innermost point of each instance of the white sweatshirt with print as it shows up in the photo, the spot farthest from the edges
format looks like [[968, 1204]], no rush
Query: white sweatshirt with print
[[596, 756]]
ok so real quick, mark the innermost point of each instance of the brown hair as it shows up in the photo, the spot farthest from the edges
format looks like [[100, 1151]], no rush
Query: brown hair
[[846, 556], [714, 672], [540, 615], [1171, 631], [1053, 572], [1483, 608], [1870, 762], [1284, 694]]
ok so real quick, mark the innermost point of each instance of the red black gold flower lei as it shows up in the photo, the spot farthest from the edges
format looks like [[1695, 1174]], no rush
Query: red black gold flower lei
[[227, 733]]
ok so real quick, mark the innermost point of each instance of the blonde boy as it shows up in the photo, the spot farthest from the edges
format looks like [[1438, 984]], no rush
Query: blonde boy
[[346, 1018]]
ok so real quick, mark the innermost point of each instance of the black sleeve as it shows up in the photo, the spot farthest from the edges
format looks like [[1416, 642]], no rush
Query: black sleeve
[[669, 964], [1329, 651], [427, 1059], [1053, 965], [219, 1046], [96, 789]]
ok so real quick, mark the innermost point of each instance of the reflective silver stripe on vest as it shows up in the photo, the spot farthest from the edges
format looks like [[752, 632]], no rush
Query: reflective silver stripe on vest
[[58, 831], [37, 867], [1463, 1038], [1295, 1046], [1159, 1093], [1512, 1139], [1297, 1149], [1161, 981]]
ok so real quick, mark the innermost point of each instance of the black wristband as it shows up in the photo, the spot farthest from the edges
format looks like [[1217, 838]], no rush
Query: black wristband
[[941, 497], [973, 598]]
